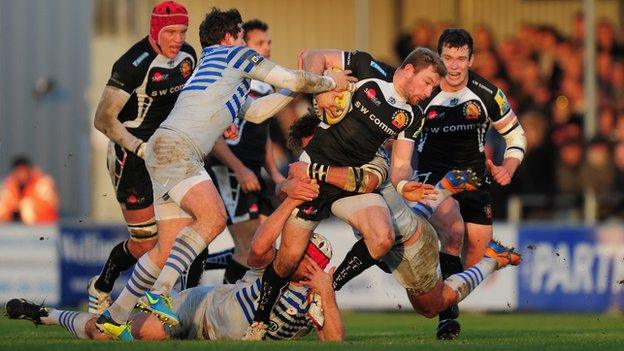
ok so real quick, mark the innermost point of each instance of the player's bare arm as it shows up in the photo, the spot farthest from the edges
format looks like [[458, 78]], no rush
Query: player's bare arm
[[357, 179], [331, 328], [317, 61], [270, 165], [261, 109], [112, 101], [515, 146], [245, 177]]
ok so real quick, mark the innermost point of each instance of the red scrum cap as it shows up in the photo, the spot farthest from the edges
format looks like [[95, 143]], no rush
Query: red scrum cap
[[165, 14], [319, 249]]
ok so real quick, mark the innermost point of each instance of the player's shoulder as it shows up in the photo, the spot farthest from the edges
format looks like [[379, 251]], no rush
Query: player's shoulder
[[186, 47], [481, 86], [364, 65], [137, 56], [371, 85]]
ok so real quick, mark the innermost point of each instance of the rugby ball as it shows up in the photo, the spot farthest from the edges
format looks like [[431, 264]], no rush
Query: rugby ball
[[343, 101]]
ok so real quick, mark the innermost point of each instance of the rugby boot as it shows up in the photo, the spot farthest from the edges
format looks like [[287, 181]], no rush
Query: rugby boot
[[24, 309], [503, 255], [457, 181], [218, 260], [160, 306], [99, 301], [448, 329], [255, 332], [107, 325]]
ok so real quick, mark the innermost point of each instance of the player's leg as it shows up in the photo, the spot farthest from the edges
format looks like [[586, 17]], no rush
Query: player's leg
[[295, 237], [369, 214], [475, 242], [242, 233]]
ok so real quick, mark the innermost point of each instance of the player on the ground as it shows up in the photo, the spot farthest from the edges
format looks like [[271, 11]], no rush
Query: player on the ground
[[380, 110], [413, 259], [189, 211], [458, 115], [237, 163], [223, 312], [144, 85]]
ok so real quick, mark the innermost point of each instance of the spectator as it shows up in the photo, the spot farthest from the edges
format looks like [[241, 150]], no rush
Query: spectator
[[28, 195]]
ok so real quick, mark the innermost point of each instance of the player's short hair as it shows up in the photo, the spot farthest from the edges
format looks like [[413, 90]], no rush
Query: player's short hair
[[217, 24], [455, 38], [254, 24], [301, 128], [20, 160], [421, 58]]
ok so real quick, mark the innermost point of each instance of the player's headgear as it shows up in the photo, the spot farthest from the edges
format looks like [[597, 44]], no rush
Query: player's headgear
[[165, 14], [319, 249]]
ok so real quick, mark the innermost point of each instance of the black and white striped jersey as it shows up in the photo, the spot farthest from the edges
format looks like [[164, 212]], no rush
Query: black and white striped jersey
[[153, 81]]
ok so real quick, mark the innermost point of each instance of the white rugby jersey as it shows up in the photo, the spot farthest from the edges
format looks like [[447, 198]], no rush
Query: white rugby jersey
[[228, 311], [214, 94]]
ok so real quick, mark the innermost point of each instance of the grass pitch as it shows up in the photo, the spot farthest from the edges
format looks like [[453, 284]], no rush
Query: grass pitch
[[376, 331]]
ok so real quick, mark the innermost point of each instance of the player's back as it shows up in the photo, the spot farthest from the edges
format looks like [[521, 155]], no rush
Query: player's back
[[214, 94]]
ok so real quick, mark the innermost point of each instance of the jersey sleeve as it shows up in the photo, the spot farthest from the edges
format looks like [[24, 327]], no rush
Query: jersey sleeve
[[364, 66], [413, 130], [498, 106], [247, 60], [126, 76]]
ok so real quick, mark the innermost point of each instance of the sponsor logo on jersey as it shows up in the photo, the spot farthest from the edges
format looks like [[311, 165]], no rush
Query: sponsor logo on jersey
[[399, 119], [185, 68], [140, 59], [253, 208], [255, 59], [453, 128], [371, 94], [472, 110], [159, 77], [502, 102], [378, 68], [163, 92], [432, 114], [371, 116]]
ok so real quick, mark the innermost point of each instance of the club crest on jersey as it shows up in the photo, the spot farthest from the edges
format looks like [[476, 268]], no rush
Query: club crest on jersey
[[371, 94], [185, 68], [472, 110], [159, 77], [399, 119]]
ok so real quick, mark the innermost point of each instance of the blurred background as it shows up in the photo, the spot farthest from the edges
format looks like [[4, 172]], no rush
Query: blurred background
[[560, 62]]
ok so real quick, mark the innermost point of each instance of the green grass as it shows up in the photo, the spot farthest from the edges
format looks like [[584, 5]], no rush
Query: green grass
[[376, 331]]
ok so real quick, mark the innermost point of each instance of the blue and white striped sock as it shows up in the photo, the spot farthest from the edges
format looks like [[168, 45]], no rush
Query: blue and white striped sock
[[143, 277], [74, 322], [185, 248], [465, 282], [427, 210]]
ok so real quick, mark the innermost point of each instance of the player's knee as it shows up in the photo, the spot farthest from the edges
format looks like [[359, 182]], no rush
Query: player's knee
[[381, 244], [212, 223], [428, 312]]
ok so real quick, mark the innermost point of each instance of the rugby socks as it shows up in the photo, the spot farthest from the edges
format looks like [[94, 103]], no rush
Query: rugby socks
[[355, 262], [449, 264], [218, 260], [74, 322], [186, 247], [143, 277], [233, 272], [272, 287], [118, 261], [465, 282], [195, 271]]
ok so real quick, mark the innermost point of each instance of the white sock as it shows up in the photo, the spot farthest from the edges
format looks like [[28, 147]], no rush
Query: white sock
[[465, 282], [143, 277], [75, 322], [426, 210], [185, 249]]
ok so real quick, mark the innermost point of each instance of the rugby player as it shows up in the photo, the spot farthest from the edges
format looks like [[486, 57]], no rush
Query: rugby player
[[458, 115], [380, 110], [223, 312], [144, 85], [189, 211], [237, 163], [413, 260]]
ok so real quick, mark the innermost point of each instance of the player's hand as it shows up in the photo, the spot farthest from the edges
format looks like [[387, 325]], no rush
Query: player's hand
[[302, 189], [247, 180], [317, 279], [327, 101], [298, 169], [419, 192], [343, 80], [231, 132], [140, 151], [500, 174]]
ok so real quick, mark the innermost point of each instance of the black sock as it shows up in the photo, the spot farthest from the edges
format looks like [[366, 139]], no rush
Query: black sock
[[118, 261], [450, 264], [195, 270], [219, 259], [355, 262], [234, 271], [272, 287]]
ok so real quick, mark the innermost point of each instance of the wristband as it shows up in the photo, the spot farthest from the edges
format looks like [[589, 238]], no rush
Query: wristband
[[317, 171], [400, 186]]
